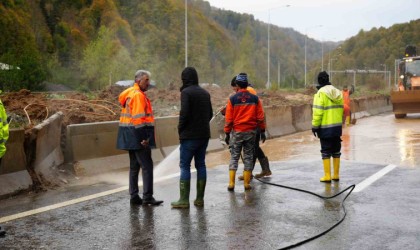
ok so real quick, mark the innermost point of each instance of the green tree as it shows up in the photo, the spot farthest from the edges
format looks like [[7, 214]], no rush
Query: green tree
[[105, 59]]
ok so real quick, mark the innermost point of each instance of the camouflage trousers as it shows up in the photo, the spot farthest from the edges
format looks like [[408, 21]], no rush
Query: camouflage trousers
[[245, 141]]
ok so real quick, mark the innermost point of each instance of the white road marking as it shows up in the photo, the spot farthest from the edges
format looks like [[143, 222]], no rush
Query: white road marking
[[78, 200], [371, 179]]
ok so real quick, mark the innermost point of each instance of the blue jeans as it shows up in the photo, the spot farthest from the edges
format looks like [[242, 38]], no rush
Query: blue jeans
[[193, 148]]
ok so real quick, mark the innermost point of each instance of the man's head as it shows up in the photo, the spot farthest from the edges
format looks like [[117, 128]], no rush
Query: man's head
[[345, 87], [189, 76], [323, 79], [142, 78], [234, 85], [242, 80]]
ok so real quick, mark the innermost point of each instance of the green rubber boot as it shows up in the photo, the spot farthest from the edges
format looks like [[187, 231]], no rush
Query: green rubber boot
[[201, 186], [184, 200]]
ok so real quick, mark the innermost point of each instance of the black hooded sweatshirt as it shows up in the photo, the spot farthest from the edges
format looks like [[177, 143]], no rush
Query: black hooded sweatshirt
[[196, 111]]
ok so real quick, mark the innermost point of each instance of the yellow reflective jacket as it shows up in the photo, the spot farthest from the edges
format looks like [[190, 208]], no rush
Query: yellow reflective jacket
[[327, 112], [4, 130]]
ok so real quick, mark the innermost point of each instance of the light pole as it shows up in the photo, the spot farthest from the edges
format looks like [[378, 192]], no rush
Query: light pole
[[278, 76], [268, 85], [322, 55], [186, 34], [306, 38], [385, 78], [331, 67]]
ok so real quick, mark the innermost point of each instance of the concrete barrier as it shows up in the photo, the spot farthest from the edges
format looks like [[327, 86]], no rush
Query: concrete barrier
[[302, 117], [13, 173], [14, 160], [99, 152], [370, 106], [279, 121], [49, 154]]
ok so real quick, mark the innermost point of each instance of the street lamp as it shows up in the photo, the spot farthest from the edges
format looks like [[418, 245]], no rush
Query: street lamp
[[306, 38], [186, 34], [385, 72], [278, 74], [322, 55], [331, 67], [268, 85]]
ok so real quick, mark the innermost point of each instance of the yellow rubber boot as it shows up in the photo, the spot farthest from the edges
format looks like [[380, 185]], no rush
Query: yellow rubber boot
[[336, 165], [347, 120], [247, 180], [327, 170], [232, 174]]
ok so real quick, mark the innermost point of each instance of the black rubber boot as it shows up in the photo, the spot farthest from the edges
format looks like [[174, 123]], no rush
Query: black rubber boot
[[2, 232]]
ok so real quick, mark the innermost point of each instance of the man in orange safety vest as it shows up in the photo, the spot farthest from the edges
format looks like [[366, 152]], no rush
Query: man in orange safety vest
[[347, 108]]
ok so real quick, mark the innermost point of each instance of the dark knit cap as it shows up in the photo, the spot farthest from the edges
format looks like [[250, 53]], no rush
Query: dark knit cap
[[242, 80], [323, 78], [233, 82]]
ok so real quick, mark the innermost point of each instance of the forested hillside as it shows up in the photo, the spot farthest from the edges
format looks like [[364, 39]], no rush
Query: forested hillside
[[89, 44]]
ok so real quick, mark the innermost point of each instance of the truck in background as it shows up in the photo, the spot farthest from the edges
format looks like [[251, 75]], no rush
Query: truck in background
[[406, 98]]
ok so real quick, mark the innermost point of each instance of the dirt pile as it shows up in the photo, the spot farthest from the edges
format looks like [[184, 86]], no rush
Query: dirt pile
[[29, 108]]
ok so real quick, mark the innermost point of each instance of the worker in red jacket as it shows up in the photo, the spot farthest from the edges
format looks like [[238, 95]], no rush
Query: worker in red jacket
[[244, 114], [258, 152]]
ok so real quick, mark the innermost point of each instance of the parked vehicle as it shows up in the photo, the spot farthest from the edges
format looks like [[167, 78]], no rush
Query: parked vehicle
[[406, 99]]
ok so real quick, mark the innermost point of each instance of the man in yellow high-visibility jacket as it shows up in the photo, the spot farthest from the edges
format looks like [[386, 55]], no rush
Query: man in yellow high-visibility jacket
[[327, 115], [4, 135], [4, 130]]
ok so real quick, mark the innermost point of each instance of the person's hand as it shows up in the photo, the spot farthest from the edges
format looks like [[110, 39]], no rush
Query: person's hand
[[263, 138], [227, 138], [315, 131], [223, 111], [145, 143]]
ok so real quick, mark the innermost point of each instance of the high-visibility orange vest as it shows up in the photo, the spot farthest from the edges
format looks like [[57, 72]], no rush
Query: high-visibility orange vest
[[136, 120], [346, 102], [137, 110], [251, 90]]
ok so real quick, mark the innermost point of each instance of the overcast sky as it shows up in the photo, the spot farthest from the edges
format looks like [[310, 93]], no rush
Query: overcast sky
[[340, 19]]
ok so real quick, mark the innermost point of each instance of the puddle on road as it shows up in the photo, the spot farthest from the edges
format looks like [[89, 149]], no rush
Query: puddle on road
[[277, 149]]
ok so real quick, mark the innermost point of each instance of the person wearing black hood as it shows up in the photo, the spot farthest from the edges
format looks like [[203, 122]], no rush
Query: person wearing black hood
[[194, 134], [327, 115]]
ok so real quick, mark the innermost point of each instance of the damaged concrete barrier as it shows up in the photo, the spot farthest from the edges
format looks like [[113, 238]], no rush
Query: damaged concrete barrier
[[48, 152]]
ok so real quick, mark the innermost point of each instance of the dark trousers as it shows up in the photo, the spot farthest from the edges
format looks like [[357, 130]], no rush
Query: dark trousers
[[331, 147], [258, 153], [143, 158]]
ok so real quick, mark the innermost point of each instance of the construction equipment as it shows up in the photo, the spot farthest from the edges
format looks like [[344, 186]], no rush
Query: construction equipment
[[406, 99]]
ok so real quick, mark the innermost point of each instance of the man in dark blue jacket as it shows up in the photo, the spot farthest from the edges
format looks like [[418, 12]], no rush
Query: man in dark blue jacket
[[194, 134]]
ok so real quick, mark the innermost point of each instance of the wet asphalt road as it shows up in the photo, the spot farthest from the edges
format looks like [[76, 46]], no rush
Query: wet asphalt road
[[383, 215]]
